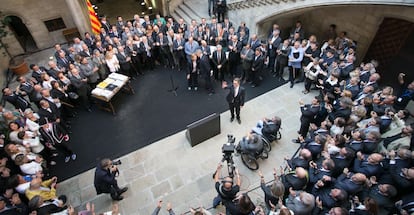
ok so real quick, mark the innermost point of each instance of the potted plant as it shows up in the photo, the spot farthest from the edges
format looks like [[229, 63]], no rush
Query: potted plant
[[16, 64]]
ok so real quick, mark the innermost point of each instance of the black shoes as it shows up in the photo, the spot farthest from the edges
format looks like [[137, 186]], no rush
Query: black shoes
[[232, 119], [117, 198], [239, 121], [123, 190], [291, 85]]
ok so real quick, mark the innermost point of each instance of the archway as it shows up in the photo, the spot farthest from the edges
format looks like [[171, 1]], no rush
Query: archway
[[22, 34], [393, 47]]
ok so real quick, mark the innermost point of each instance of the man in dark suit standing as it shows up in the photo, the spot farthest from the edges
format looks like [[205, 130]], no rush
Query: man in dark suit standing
[[235, 98], [309, 112], [205, 70], [219, 61], [257, 67]]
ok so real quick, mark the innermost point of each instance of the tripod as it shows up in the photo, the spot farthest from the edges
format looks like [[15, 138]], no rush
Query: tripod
[[173, 87]]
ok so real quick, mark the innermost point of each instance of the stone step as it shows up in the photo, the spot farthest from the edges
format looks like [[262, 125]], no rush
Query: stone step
[[182, 14], [188, 9]]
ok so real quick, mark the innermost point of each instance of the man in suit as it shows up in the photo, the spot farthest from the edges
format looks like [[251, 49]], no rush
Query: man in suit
[[295, 180], [368, 165], [235, 98], [219, 61], [124, 61], [283, 52], [234, 56], [15, 99], [246, 56], [205, 70], [257, 67], [274, 43], [178, 50], [63, 61], [309, 112], [82, 88]]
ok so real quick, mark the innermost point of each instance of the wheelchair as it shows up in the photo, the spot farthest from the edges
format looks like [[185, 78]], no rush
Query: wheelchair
[[271, 132], [251, 149]]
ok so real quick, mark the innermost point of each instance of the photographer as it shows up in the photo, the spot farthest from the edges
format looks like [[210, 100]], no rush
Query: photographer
[[105, 179], [226, 189]]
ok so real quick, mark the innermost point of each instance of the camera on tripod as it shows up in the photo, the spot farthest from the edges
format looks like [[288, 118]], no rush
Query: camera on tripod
[[228, 150]]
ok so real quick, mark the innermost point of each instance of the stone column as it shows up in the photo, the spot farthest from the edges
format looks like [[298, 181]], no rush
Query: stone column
[[78, 9]]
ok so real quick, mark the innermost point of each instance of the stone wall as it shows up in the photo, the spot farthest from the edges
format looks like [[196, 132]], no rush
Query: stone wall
[[33, 14]]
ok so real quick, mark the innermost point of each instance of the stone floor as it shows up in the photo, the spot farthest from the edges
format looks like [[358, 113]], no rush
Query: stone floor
[[172, 170]]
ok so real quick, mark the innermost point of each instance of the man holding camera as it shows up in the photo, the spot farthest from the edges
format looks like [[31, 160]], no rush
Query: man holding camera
[[226, 189], [105, 179]]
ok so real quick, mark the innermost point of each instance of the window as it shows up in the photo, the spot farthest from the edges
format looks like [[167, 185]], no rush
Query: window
[[55, 24]]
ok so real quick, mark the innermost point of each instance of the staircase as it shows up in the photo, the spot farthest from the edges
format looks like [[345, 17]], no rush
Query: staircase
[[243, 4], [190, 9]]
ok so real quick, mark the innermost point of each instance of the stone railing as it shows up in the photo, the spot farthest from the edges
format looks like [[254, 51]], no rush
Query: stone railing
[[243, 4]]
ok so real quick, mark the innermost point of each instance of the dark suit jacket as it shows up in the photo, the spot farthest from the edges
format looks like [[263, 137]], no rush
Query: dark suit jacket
[[345, 183], [367, 168], [205, 66], [258, 63], [123, 63], [62, 63], [50, 116], [239, 99], [53, 136], [17, 101], [215, 60]]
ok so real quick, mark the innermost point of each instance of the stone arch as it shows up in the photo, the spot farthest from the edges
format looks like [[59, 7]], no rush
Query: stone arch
[[22, 33], [370, 15]]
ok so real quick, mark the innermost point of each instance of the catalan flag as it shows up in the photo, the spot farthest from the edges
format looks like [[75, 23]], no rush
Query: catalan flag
[[96, 25]]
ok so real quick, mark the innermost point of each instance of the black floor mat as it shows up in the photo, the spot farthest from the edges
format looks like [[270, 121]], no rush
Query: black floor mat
[[151, 114]]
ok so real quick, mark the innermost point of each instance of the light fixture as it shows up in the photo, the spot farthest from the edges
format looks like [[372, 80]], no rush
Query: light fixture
[[143, 13], [143, 3], [149, 8]]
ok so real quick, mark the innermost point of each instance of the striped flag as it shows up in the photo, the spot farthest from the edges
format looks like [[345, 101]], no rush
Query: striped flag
[[96, 25]]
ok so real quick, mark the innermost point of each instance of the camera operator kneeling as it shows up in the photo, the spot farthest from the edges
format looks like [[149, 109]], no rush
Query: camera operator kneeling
[[105, 179], [226, 189], [251, 144]]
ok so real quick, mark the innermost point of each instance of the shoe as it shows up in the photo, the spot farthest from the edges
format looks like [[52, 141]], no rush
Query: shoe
[[118, 198], [189, 88], [239, 121], [291, 85], [67, 159], [52, 163], [73, 156], [305, 91], [295, 141], [232, 119], [123, 190]]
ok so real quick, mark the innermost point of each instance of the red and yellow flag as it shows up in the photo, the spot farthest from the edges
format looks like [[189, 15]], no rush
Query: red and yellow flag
[[95, 23]]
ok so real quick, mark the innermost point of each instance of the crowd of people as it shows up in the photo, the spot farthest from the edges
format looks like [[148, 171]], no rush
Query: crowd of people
[[355, 136], [356, 144]]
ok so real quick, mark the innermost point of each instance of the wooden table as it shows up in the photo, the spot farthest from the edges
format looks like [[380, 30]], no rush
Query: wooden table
[[108, 88]]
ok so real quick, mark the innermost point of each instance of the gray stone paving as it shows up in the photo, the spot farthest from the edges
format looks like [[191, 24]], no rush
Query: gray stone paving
[[172, 170]]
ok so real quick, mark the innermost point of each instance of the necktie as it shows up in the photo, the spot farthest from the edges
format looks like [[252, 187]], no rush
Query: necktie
[[218, 57]]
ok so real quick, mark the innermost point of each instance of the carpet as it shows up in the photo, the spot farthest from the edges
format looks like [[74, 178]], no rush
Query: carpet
[[150, 114]]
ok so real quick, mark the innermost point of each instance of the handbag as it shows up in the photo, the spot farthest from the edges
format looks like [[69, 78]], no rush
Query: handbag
[[73, 95]]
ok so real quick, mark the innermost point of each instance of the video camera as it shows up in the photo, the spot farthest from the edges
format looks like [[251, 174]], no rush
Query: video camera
[[228, 148]]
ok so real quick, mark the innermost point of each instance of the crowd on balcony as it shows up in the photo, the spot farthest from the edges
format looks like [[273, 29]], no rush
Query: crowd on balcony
[[355, 138]]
